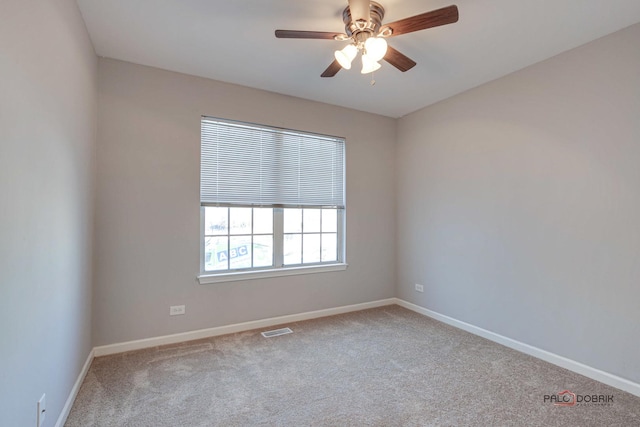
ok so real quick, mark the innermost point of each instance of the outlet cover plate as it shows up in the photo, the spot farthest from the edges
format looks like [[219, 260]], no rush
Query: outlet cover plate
[[176, 310], [419, 288]]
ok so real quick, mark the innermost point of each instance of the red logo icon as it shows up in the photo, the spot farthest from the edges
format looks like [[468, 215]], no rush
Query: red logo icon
[[566, 398]]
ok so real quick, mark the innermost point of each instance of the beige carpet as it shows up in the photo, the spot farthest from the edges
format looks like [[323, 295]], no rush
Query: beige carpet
[[380, 367]]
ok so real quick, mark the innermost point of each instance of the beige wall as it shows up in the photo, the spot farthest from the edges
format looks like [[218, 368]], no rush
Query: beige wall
[[519, 205], [147, 242], [48, 115]]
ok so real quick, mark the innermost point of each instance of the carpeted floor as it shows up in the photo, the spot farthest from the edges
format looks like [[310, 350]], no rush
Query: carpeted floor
[[380, 367]]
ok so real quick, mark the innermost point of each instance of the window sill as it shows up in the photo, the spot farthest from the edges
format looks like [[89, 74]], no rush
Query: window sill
[[205, 279]]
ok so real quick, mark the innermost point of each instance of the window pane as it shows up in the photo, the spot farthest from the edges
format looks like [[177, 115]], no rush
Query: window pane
[[293, 220], [263, 221], [240, 220], [311, 221], [329, 220], [215, 253], [215, 221], [292, 249], [263, 251], [311, 248], [329, 246], [240, 252]]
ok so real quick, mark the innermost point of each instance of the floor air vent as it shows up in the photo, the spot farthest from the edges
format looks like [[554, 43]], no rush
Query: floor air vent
[[276, 332]]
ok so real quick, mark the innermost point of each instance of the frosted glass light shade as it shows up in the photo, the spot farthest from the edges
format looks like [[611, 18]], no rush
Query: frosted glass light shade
[[368, 64], [376, 48], [345, 56]]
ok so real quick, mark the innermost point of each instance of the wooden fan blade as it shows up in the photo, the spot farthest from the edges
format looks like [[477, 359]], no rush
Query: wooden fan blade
[[293, 34], [398, 60], [331, 70], [359, 10], [435, 18]]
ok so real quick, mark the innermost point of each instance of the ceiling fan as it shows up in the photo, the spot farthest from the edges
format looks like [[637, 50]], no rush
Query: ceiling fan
[[366, 33]]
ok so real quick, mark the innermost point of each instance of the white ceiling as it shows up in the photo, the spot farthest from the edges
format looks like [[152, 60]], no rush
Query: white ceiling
[[233, 41]]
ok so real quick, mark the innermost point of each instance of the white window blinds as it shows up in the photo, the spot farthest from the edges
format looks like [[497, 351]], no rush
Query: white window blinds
[[250, 165]]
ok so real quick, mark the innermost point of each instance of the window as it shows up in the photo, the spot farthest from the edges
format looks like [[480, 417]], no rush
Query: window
[[237, 238], [272, 201]]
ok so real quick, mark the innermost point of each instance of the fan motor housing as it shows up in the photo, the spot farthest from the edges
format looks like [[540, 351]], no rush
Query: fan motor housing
[[367, 29]]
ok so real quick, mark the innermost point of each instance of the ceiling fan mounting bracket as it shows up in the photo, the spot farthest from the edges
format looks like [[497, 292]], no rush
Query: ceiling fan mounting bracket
[[370, 28]]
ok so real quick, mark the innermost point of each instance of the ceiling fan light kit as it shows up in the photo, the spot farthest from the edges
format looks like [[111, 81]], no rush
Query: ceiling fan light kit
[[364, 29], [376, 48], [369, 65], [346, 55]]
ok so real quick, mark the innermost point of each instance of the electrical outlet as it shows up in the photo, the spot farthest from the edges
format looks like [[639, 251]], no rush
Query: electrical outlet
[[175, 310], [419, 288], [42, 403]]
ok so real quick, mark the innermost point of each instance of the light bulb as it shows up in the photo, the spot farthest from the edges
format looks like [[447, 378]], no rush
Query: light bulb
[[345, 56], [376, 48], [368, 64]]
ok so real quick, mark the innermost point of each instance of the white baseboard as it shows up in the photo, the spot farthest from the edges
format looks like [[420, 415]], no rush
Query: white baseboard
[[230, 329], [563, 362], [74, 391]]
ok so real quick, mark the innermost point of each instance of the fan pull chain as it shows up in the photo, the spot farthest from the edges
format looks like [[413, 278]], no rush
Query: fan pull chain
[[373, 80]]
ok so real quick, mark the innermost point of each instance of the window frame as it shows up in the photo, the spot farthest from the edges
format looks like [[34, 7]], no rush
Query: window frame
[[278, 268]]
